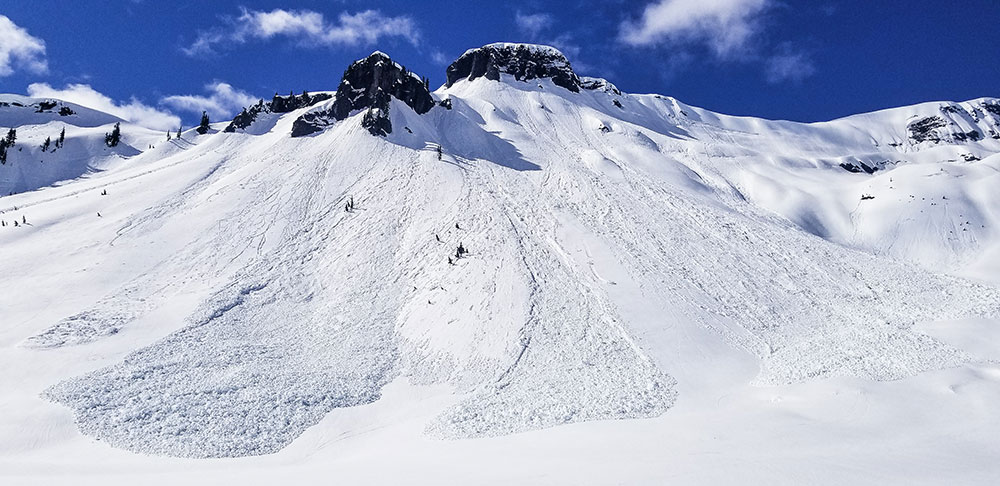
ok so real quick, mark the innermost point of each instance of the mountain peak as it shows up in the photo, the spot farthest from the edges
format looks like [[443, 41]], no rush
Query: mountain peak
[[523, 61], [368, 84]]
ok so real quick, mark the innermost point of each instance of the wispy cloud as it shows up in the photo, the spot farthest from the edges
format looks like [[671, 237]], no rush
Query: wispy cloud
[[532, 25], [19, 49], [789, 65], [440, 58], [221, 101], [730, 30], [84, 95], [307, 28], [724, 26]]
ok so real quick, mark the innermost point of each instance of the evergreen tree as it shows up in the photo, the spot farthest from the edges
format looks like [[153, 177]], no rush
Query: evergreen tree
[[46, 144], [112, 139], [168, 135], [62, 138], [11, 137], [178, 133], [203, 127]]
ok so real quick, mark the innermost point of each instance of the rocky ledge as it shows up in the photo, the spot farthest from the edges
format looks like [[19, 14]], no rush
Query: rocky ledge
[[278, 104], [370, 84], [523, 61]]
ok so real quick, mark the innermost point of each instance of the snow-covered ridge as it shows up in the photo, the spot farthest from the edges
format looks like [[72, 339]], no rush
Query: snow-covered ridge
[[17, 110]]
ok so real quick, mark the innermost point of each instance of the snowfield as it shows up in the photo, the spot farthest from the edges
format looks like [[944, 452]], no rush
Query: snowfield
[[652, 292]]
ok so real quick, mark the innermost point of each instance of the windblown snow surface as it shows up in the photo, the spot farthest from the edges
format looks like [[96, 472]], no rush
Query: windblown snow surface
[[719, 277]]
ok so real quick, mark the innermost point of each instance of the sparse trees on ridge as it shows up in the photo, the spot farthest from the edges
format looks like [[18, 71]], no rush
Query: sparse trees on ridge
[[204, 125], [6, 143], [112, 139]]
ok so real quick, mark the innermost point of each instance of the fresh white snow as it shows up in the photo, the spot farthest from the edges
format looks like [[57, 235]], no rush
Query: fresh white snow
[[653, 293]]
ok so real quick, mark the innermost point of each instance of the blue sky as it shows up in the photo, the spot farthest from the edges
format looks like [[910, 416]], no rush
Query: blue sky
[[799, 60]]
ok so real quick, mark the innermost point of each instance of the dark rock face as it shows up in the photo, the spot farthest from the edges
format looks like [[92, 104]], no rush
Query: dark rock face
[[972, 136], [370, 84], [595, 84], [523, 61], [992, 107], [858, 168], [309, 123], [376, 119], [925, 129], [954, 109], [928, 130], [46, 106], [278, 104], [366, 81]]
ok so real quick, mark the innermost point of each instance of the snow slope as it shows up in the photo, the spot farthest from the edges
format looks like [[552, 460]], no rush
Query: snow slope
[[28, 167], [630, 257]]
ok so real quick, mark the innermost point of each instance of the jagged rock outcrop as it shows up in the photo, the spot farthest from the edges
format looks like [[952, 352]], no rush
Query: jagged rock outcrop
[[44, 106], [523, 61], [370, 84], [929, 129], [925, 129], [278, 104], [595, 84]]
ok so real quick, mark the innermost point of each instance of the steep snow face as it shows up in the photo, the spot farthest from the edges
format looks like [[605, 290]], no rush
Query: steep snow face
[[544, 256], [862, 181], [31, 163]]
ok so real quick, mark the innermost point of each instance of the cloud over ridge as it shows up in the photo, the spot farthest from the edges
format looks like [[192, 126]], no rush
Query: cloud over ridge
[[306, 27]]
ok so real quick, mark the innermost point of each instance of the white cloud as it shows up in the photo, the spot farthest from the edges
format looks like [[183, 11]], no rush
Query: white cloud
[[533, 24], [20, 49], [221, 102], [308, 28], [724, 26], [440, 58], [134, 111], [789, 65]]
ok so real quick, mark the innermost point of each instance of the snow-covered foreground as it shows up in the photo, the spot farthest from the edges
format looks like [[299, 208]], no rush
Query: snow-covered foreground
[[687, 296]]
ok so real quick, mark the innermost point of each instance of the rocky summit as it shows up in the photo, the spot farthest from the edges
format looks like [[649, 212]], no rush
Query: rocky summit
[[523, 61], [368, 84]]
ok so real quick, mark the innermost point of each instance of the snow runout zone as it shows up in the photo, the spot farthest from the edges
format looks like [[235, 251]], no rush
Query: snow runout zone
[[326, 267]]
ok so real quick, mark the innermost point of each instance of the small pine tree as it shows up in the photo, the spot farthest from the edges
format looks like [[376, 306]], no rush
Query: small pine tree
[[46, 144], [179, 133], [168, 135], [112, 139], [62, 138], [203, 127], [11, 137]]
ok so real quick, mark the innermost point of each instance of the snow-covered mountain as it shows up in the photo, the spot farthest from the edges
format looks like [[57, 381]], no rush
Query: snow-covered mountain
[[525, 266]]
